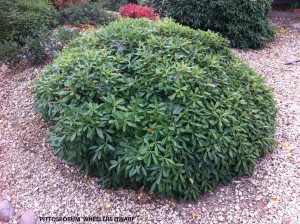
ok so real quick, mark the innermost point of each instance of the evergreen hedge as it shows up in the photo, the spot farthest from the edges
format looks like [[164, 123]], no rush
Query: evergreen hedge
[[243, 22]]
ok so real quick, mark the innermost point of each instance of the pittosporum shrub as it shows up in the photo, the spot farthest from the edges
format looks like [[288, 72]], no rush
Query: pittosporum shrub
[[89, 13], [137, 11], [243, 22], [156, 104], [22, 20]]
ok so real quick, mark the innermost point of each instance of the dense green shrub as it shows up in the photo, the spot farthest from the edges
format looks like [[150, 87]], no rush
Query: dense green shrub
[[10, 52], [244, 22], [156, 104], [20, 21], [90, 13]]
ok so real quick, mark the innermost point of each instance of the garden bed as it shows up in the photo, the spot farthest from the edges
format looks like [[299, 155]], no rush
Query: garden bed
[[33, 178]]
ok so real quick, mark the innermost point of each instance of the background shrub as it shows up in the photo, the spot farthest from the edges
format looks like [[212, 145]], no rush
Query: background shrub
[[137, 11], [156, 104], [57, 40], [36, 45], [61, 4], [89, 13], [244, 22], [20, 21], [66, 34], [10, 52], [296, 5], [115, 5], [112, 5]]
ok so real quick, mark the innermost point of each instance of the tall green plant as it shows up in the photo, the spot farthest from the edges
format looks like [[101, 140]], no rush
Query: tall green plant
[[156, 104]]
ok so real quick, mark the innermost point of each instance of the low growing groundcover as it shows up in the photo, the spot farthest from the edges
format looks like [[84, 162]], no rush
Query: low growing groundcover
[[156, 104]]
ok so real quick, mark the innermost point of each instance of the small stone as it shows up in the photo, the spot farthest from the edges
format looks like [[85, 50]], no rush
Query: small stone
[[269, 205], [28, 217], [221, 218], [6, 211]]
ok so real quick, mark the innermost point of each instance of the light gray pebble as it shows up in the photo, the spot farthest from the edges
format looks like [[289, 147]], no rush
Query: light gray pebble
[[28, 217], [6, 211]]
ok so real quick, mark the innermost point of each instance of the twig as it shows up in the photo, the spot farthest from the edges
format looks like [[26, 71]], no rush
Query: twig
[[292, 63]]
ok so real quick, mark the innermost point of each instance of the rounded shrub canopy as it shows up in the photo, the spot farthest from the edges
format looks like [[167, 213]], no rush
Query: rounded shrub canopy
[[155, 104]]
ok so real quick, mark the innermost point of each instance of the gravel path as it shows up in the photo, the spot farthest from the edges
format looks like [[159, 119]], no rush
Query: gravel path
[[31, 177]]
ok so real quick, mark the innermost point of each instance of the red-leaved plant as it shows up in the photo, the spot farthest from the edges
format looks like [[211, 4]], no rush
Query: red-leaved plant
[[137, 11]]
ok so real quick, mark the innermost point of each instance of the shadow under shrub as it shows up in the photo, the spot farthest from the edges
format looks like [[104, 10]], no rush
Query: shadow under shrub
[[156, 104], [243, 22]]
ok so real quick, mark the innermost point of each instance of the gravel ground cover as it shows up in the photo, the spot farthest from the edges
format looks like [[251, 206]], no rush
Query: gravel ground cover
[[31, 177]]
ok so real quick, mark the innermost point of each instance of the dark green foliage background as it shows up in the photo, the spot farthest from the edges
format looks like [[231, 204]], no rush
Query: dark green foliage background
[[243, 22], [92, 13], [155, 104], [112, 5], [24, 23]]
